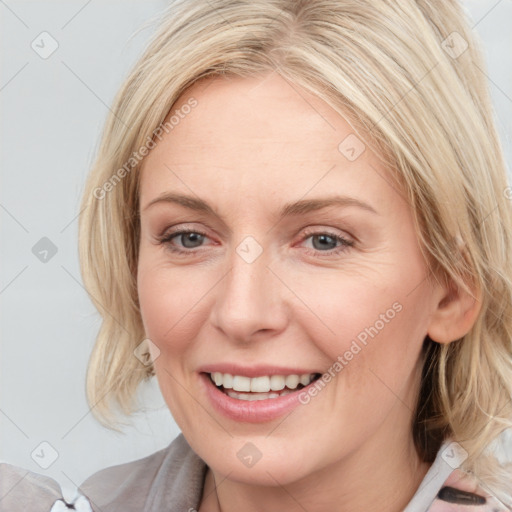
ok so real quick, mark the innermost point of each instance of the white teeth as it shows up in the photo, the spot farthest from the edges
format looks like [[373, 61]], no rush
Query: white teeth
[[241, 383], [250, 397], [227, 381], [292, 381], [277, 382], [305, 379], [263, 384], [260, 384], [217, 377]]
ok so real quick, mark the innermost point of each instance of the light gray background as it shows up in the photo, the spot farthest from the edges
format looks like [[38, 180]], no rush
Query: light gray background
[[52, 111]]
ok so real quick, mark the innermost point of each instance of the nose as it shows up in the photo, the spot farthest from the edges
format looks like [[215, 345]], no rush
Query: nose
[[250, 300]]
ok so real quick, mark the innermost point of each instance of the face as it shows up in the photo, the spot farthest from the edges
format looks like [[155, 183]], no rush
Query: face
[[271, 254]]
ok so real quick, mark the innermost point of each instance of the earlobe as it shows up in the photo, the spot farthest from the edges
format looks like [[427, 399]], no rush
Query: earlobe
[[454, 315]]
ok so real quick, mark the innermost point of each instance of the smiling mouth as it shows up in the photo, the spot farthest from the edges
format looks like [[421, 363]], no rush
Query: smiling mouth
[[260, 388]]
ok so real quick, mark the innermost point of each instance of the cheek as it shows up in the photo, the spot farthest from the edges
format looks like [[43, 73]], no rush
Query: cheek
[[351, 308], [371, 327], [170, 304]]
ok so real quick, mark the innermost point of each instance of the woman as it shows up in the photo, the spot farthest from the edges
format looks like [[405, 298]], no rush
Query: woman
[[298, 222]]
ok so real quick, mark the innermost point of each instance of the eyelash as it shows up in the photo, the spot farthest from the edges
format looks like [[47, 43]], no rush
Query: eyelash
[[345, 244]]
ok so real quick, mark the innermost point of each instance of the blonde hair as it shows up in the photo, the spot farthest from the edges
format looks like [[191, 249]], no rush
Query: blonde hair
[[400, 71]]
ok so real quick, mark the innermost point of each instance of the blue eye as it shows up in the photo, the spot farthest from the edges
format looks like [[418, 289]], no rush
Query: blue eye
[[189, 242], [327, 243], [324, 243]]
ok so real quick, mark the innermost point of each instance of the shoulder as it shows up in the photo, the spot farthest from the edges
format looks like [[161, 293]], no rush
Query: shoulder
[[165, 480], [169, 479], [446, 488], [461, 489], [21, 489]]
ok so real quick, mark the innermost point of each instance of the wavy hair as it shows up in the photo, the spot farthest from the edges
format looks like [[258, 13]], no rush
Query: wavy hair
[[409, 76]]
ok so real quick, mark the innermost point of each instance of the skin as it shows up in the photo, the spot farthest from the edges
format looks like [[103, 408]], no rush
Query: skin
[[248, 147]]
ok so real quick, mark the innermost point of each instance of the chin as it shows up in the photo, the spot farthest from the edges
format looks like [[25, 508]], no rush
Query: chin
[[255, 460]]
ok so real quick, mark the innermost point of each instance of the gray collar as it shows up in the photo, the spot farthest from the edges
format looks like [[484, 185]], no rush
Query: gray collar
[[167, 480]]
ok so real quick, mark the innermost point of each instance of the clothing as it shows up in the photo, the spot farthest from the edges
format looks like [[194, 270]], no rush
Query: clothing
[[171, 480]]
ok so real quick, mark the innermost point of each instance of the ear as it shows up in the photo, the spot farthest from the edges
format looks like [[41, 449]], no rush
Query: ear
[[455, 312]]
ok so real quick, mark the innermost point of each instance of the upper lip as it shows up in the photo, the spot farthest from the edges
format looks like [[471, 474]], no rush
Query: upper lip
[[254, 370]]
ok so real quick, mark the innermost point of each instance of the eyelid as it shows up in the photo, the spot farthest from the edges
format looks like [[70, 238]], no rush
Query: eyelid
[[335, 232], [169, 234], [344, 241], [308, 230]]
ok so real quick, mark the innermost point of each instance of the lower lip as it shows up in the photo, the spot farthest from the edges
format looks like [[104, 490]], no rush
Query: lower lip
[[256, 411]]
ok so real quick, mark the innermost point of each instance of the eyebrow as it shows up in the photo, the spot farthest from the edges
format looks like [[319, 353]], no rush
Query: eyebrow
[[300, 207]]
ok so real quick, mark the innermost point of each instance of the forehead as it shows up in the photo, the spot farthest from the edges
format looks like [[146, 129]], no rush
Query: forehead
[[259, 138]]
